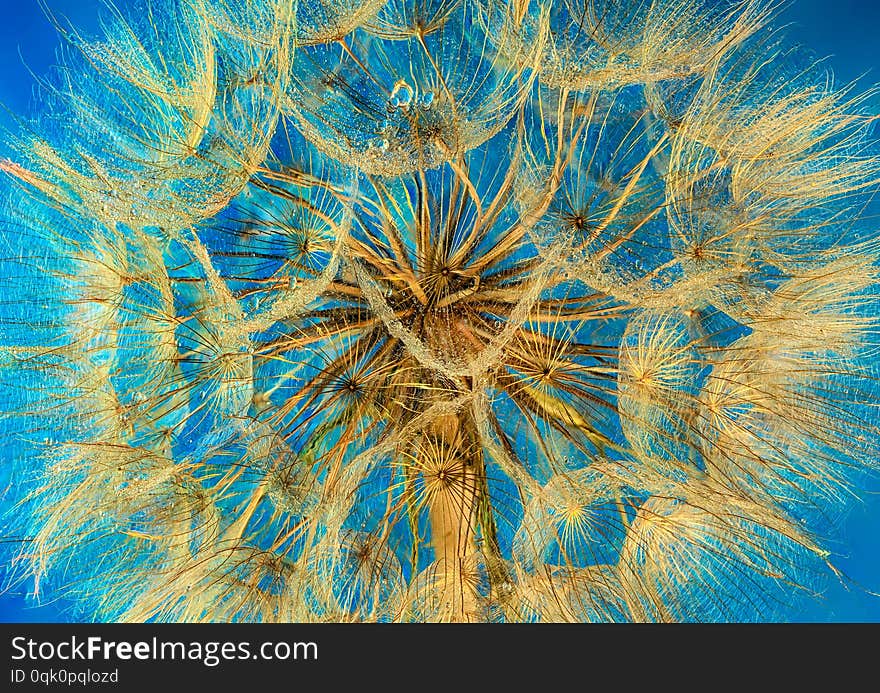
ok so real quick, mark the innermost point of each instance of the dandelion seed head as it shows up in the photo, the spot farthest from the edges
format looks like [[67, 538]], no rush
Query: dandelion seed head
[[448, 310]]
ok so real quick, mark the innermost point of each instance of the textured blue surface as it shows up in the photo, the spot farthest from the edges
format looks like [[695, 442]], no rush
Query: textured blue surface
[[844, 30]]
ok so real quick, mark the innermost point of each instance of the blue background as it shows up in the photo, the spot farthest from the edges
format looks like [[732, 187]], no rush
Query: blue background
[[844, 30]]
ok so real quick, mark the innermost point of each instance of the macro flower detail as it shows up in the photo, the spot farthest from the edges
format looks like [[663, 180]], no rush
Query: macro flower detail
[[437, 310]]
